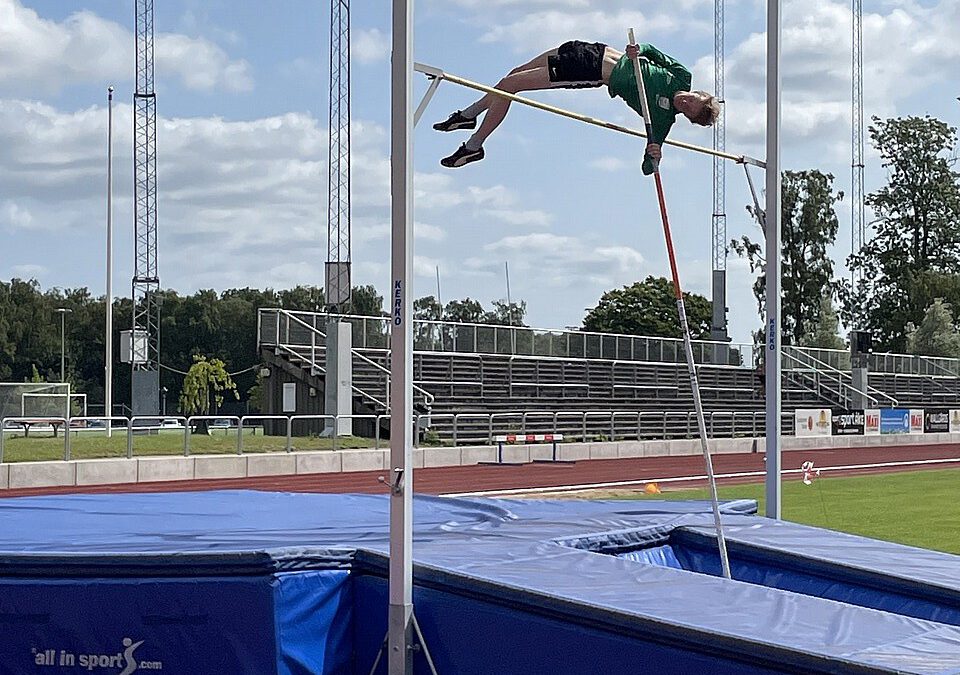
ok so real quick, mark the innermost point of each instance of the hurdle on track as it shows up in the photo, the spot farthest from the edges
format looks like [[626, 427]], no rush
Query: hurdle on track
[[553, 439]]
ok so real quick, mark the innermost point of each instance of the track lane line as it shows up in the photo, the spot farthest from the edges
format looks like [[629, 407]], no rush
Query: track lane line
[[687, 479]]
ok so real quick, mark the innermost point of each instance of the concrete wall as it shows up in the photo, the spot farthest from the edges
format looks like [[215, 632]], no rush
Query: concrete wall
[[152, 469]]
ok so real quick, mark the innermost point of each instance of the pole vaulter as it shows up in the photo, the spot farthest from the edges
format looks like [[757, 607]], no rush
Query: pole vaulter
[[682, 311], [438, 75]]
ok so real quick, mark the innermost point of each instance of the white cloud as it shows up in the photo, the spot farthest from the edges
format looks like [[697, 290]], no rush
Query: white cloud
[[608, 164], [904, 51], [434, 191], [559, 261], [239, 202], [500, 4], [38, 54], [28, 271], [15, 216], [377, 230], [369, 46], [541, 30]]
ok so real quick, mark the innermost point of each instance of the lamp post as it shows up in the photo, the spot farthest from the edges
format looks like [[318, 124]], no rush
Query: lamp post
[[63, 311], [108, 338]]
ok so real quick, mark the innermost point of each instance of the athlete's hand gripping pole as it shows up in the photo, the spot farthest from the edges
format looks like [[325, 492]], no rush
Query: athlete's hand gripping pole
[[681, 309]]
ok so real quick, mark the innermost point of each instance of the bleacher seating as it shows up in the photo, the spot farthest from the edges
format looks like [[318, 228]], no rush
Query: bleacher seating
[[649, 389]]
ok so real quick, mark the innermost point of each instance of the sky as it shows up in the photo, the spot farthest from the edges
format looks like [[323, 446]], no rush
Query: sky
[[242, 141]]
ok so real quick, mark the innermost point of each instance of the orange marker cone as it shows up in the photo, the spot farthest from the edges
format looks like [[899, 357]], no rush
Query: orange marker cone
[[651, 489]]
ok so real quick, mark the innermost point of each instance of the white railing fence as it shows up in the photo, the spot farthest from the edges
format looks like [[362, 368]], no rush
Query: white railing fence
[[449, 429]]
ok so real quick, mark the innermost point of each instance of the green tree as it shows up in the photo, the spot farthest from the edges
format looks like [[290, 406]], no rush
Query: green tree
[[809, 226], [255, 392], [426, 335], [824, 332], [204, 384], [302, 299], [507, 314], [464, 311], [913, 255], [427, 309], [936, 335], [648, 307], [366, 301]]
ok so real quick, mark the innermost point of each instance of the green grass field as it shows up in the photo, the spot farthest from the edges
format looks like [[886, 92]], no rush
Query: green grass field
[[918, 508], [95, 444]]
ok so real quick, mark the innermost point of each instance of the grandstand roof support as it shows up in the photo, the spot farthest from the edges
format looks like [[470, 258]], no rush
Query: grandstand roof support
[[773, 251]]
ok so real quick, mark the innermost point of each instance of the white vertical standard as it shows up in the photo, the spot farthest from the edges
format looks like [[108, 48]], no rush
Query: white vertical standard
[[772, 346], [108, 338], [399, 652]]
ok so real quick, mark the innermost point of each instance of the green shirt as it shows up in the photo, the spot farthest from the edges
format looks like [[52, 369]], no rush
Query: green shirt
[[663, 77]]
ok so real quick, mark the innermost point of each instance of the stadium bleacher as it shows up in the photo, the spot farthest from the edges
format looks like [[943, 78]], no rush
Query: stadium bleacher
[[592, 385]]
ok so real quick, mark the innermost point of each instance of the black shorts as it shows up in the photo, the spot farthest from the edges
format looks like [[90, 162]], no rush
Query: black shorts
[[577, 64]]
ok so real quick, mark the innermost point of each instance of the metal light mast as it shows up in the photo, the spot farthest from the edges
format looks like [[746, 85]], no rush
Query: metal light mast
[[338, 176], [719, 221], [856, 203], [145, 382]]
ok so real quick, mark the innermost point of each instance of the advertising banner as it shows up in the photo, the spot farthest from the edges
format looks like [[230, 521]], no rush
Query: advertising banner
[[871, 422], [848, 422], [955, 421], [916, 421], [812, 422], [936, 421], [894, 421]]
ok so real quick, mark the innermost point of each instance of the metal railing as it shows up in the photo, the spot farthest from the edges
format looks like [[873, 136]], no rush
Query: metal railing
[[820, 371], [296, 334], [457, 428], [371, 332]]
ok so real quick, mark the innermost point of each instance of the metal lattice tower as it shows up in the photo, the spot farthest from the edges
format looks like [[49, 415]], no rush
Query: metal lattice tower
[[719, 221], [857, 227], [146, 280], [338, 176]]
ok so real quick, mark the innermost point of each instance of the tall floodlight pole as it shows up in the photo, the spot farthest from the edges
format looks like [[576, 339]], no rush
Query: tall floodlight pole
[[108, 333], [719, 221], [400, 656], [857, 227], [338, 159], [145, 352], [772, 344]]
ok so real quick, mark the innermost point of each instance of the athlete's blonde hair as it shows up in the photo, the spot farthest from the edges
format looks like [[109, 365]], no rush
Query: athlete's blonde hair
[[710, 111]]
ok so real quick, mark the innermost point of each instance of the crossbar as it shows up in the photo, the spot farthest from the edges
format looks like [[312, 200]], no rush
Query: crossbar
[[437, 74]]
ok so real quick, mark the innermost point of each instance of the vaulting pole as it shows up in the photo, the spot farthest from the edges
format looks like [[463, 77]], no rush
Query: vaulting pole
[[681, 309]]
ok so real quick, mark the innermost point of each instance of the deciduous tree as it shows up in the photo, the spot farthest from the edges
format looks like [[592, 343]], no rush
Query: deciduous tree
[[936, 335], [648, 307], [913, 254], [808, 226], [203, 385]]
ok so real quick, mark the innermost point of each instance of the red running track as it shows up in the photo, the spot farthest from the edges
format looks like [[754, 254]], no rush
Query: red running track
[[458, 479]]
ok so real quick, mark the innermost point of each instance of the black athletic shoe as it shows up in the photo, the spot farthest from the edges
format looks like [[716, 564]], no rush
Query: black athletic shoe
[[462, 156], [456, 121]]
